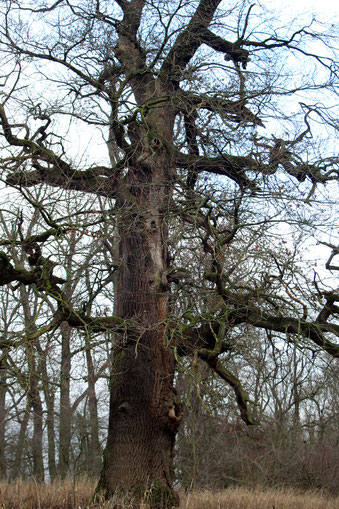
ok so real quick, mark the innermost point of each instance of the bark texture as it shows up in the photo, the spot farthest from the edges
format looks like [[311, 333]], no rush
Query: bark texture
[[144, 411]]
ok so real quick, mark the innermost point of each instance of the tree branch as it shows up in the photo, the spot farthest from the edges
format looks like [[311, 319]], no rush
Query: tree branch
[[235, 111], [233, 167], [189, 40], [99, 179], [123, 4], [241, 310], [233, 50], [44, 280], [242, 397]]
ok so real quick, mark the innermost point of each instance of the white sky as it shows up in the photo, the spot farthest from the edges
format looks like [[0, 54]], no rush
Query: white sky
[[327, 8]]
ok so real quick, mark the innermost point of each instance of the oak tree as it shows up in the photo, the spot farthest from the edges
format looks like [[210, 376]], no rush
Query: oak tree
[[211, 130]]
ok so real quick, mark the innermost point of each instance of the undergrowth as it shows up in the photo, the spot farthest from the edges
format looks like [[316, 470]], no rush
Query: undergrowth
[[76, 495]]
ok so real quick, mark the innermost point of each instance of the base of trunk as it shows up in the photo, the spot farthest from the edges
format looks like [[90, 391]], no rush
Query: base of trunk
[[144, 417], [155, 496]]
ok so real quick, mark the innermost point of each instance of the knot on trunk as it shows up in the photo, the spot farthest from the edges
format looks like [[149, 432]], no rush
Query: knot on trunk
[[174, 415]]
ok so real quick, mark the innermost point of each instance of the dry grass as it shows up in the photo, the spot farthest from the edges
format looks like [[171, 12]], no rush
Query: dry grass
[[240, 498], [58, 495], [70, 495]]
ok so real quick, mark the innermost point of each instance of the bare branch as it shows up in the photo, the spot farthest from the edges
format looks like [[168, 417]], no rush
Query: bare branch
[[240, 394], [189, 40], [233, 167]]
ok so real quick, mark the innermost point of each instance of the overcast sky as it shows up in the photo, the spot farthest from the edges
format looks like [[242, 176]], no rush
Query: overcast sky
[[325, 10], [328, 8]]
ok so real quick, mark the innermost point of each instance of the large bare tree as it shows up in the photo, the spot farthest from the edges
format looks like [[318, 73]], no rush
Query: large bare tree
[[182, 92]]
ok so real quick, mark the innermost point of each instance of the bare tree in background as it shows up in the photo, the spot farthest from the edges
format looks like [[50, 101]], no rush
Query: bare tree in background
[[182, 92], [37, 384]]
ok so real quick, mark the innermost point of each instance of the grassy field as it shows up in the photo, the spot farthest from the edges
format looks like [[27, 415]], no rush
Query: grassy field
[[70, 495]]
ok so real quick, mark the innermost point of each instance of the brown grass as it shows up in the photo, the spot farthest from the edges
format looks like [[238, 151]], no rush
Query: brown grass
[[58, 495], [240, 498], [75, 495]]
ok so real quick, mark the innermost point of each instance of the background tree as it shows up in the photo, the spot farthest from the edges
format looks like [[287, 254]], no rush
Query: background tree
[[215, 450], [42, 369], [181, 93]]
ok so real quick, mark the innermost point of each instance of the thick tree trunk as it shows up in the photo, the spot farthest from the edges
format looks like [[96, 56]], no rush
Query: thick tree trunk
[[144, 411]]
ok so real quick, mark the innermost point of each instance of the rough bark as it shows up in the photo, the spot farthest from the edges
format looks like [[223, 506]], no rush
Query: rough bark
[[144, 411]]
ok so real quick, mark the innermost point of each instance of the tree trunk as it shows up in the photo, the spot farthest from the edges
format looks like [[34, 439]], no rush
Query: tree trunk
[[65, 407], [52, 468], [50, 404], [34, 399], [94, 445], [3, 391], [33, 391], [144, 411], [17, 471]]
